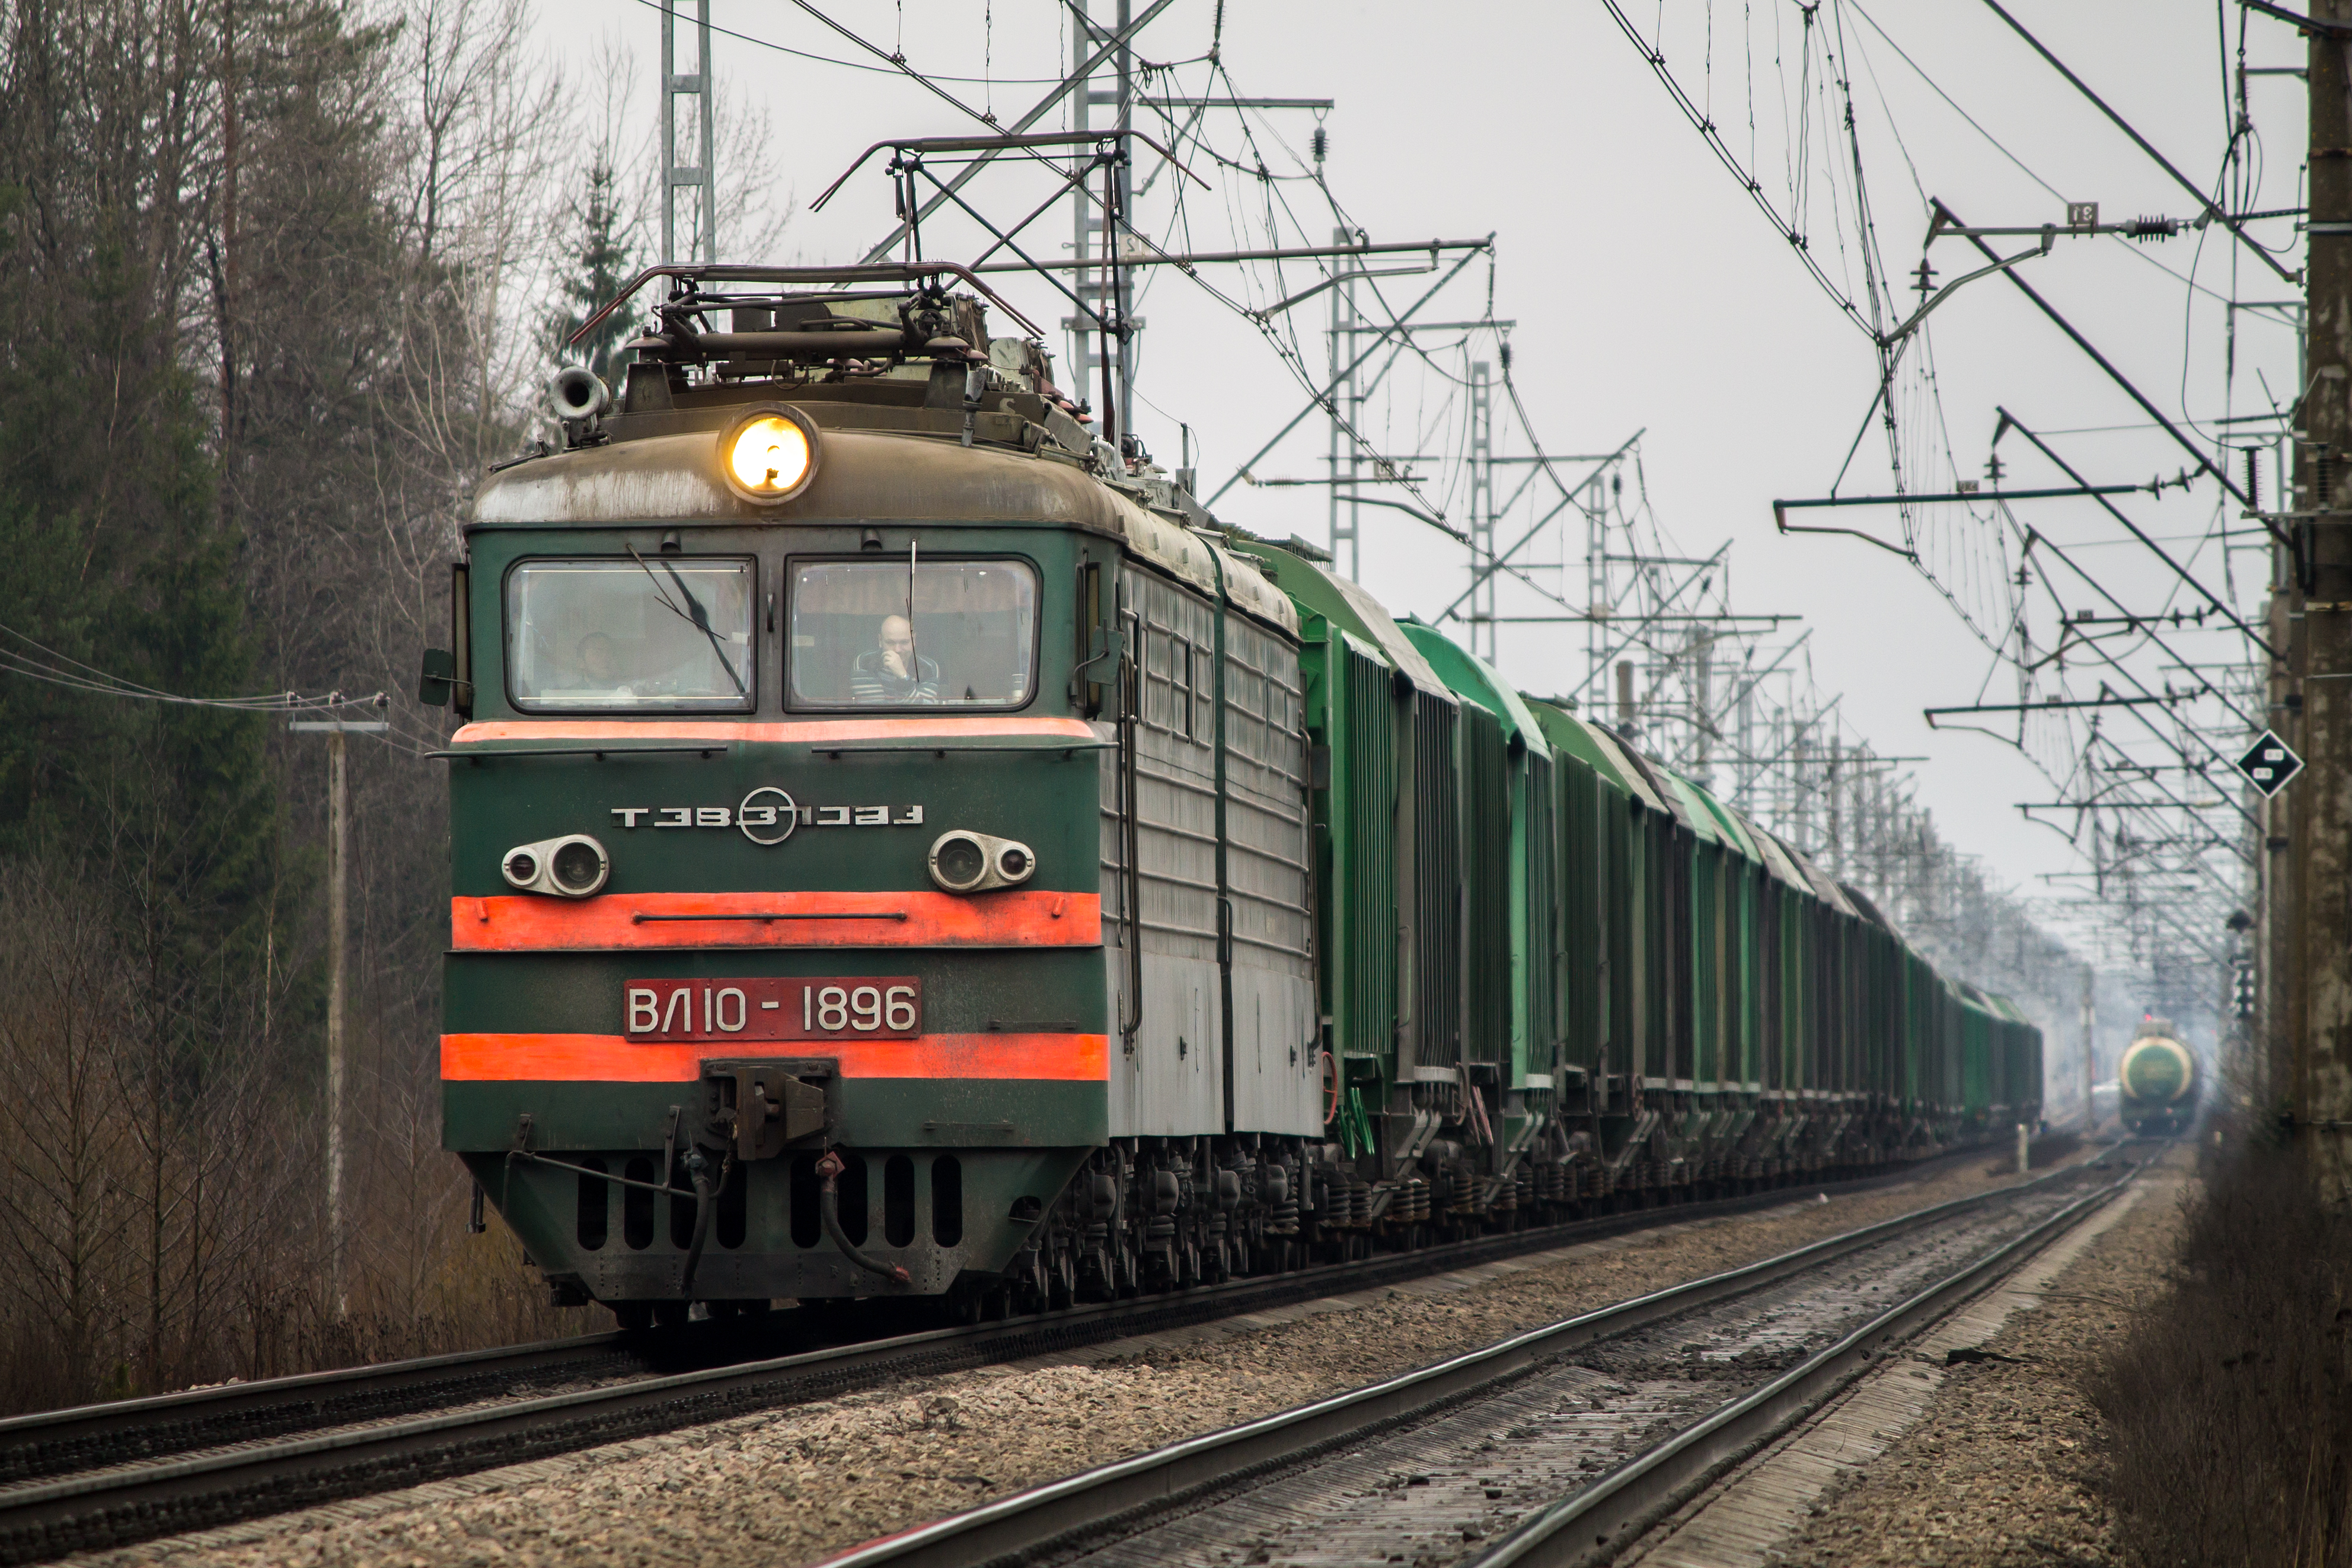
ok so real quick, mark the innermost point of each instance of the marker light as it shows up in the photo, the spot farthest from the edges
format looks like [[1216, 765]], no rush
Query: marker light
[[770, 454]]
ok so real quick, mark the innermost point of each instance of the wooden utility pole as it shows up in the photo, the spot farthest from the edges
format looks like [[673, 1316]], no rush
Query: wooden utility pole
[[2309, 850], [339, 862]]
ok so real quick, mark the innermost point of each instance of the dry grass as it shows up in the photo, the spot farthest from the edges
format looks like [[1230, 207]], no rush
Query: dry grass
[[2230, 1401]]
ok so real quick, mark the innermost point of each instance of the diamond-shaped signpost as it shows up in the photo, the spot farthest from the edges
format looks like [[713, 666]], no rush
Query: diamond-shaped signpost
[[2270, 764]]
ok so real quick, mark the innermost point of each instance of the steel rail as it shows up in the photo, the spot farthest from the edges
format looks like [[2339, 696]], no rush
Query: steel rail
[[1112, 1499], [1603, 1519], [149, 1494]]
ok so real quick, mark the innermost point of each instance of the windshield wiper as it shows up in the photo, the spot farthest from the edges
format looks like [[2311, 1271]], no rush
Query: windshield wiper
[[700, 620]]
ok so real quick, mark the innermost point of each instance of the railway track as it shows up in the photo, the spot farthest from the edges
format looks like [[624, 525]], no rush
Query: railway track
[[113, 1475], [1557, 1446]]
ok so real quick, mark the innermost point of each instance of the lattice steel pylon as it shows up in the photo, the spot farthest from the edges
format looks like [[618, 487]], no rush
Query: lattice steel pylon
[[1090, 234], [700, 177], [1347, 406], [1482, 509]]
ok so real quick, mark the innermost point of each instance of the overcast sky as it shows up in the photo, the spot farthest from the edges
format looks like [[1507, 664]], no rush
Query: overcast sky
[[1649, 293]]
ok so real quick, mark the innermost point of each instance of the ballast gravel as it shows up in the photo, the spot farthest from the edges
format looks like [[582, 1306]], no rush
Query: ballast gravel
[[793, 1485], [2007, 1467]]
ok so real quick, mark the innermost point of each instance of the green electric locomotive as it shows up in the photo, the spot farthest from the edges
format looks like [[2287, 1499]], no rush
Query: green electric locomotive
[[902, 844]]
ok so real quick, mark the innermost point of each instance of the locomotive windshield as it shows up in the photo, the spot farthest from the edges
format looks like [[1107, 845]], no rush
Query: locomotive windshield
[[960, 633], [651, 633]]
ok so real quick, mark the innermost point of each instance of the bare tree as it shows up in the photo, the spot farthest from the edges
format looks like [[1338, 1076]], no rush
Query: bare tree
[[64, 1031]]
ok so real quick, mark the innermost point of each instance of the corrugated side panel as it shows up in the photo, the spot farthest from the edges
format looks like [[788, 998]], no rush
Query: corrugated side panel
[[1584, 861], [1363, 820], [1665, 949], [1485, 928], [1173, 1084], [1706, 963], [1437, 882], [1539, 1030], [1628, 955], [1771, 899], [1747, 891], [1277, 1081]]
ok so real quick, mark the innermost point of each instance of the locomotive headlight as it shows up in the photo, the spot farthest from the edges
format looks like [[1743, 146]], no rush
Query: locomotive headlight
[[574, 866], [966, 862], [769, 453], [958, 862], [579, 866]]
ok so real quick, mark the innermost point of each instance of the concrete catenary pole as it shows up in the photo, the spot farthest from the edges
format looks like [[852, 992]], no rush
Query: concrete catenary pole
[[339, 933], [339, 872], [2090, 1054], [2313, 702]]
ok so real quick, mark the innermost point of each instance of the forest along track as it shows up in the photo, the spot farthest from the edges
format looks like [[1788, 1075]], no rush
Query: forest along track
[[1553, 1447], [113, 1475]]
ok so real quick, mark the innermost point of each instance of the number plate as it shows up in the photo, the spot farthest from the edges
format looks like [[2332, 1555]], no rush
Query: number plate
[[853, 1007]]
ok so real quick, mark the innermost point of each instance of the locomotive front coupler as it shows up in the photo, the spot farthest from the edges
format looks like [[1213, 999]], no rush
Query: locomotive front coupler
[[758, 1108]]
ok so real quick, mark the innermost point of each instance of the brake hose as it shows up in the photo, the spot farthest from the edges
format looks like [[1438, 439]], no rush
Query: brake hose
[[828, 1207]]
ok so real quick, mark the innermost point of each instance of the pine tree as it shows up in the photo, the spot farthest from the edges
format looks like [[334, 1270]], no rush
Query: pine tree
[[600, 261]]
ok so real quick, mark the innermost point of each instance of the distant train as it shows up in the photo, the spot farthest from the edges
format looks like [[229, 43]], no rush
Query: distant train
[[2157, 1081], [904, 844]]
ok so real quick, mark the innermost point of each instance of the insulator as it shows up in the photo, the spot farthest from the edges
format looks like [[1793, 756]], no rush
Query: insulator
[[2145, 228], [2254, 479], [1321, 143]]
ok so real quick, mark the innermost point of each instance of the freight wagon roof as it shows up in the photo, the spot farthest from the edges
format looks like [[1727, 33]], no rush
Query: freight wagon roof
[[2003, 1007], [1869, 911], [1571, 736], [1777, 860], [1817, 881], [1316, 590], [1978, 1001], [1731, 826], [1473, 677], [1641, 782], [1704, 815]]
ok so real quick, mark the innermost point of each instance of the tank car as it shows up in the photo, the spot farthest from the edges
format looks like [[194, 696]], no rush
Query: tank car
[[2157, 1081], [901, 844]]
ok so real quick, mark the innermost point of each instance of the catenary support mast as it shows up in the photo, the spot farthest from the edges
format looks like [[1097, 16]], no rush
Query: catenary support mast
[[696, 184], [2309, 839]]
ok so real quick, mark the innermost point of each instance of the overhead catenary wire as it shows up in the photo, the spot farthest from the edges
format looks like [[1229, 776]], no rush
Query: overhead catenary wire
[[77, 676]]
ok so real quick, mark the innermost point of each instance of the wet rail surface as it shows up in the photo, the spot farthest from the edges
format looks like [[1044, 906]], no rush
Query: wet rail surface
[[1488, 1462], [117, 1474]]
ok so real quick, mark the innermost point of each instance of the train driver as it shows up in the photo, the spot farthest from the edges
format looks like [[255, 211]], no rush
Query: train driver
[[892, 672], [600, 665]]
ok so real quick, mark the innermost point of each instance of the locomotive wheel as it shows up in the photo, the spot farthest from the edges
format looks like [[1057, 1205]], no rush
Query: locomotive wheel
[[632, 1316], [672, 1314], [1092, 1279]]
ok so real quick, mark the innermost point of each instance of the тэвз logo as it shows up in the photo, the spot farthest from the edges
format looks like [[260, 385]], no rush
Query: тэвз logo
[[768, 816]]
